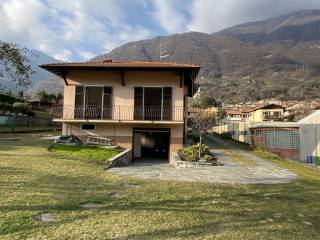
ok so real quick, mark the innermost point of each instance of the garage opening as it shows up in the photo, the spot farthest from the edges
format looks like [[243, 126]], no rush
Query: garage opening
[[151, 144]]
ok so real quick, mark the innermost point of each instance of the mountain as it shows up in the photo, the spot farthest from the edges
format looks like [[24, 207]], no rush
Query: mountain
[[41, 79], [274, 58]]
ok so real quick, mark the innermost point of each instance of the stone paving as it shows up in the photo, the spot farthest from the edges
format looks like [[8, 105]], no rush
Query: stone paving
[[233, 172]]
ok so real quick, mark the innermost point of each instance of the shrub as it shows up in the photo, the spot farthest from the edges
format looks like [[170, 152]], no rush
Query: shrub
[[7, 98], [191, 153], [23, 108], [6, 106]]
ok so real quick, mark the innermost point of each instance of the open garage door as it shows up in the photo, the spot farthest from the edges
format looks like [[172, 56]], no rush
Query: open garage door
[[151, 143]]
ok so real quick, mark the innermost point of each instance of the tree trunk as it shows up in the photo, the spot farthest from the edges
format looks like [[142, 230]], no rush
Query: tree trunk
[[200, 143]]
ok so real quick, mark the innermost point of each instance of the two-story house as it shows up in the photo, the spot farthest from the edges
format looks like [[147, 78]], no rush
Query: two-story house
[[139, 105], [266, 113]]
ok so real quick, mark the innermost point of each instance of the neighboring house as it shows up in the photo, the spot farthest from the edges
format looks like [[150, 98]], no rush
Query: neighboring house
[[233, 115], [139, 105], [267, 113]]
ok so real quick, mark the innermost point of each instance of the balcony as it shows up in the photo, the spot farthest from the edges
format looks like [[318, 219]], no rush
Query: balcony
[[275, 117], [117, 113]]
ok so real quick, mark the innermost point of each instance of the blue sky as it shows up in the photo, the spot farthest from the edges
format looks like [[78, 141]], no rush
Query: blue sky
[[77, 30]]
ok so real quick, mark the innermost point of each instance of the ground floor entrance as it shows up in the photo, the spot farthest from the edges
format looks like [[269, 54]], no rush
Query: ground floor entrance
[[150, 143]]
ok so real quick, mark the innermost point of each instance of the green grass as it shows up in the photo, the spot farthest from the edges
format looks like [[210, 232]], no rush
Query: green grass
[[34, 181], [83, 151]]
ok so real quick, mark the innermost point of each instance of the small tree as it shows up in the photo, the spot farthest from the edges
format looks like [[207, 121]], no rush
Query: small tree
[[202, 121], [43, 96]]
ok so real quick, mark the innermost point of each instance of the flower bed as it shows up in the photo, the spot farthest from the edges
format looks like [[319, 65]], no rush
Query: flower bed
[[188, 157]]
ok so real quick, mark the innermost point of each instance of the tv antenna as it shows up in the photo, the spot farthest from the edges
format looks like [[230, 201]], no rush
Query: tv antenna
[[163, 53]]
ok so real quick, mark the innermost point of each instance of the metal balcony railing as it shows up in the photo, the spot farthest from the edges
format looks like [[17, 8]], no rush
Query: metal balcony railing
[[118, 113]]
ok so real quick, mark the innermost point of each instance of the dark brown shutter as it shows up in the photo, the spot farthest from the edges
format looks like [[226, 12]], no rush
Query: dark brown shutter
[[78, 109], [107, 103], [167, 103], [138, 103]]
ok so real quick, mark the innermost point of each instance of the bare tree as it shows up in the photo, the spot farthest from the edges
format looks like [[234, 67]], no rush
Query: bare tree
[[202, 121], [15, 64]]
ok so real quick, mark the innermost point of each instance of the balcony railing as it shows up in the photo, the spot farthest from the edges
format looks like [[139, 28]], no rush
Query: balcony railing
[[117, 113], [273, 117]]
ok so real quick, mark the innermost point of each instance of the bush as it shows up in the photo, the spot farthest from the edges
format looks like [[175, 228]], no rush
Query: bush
[[23, 108], [191, 153], [6, 106], [7, 98]]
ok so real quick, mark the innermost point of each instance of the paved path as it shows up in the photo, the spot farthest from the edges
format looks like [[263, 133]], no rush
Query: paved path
[[240, 167]]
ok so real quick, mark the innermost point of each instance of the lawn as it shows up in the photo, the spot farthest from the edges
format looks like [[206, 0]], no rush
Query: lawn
[[35, 181], [84, 152]]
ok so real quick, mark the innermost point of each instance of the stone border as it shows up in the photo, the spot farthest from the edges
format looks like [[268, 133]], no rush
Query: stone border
[[120, 160], [176, 161]]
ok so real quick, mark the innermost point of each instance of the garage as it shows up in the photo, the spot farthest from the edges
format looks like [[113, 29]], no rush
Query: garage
[[151, 144]]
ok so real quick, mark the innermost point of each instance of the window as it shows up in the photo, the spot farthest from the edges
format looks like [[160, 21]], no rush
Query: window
[[88, 127]]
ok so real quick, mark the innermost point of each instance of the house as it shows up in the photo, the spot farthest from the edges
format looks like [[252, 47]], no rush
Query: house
[[139, 105], [266, 113]]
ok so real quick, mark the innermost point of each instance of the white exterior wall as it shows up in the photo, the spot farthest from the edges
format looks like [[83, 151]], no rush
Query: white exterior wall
[[310, 136], [309, 141]]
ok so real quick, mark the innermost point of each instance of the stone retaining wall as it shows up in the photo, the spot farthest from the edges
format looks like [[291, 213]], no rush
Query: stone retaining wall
[[120, 160]]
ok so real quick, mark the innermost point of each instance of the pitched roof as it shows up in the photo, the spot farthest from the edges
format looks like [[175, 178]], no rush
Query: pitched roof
[[190, 70], [233, 112], [120, 64]]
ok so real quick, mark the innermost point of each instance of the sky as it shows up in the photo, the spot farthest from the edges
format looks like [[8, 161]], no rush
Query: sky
[[77, 30]]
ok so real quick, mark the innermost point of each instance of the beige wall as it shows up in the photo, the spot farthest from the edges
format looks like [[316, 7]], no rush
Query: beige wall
[[124, 95], [122, 133]]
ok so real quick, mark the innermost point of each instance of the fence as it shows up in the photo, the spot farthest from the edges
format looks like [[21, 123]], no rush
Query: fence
[[26, 123], [238, 131], [284, 141]]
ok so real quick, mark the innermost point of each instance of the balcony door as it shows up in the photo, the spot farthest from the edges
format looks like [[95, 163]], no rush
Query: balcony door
[[153, 103]]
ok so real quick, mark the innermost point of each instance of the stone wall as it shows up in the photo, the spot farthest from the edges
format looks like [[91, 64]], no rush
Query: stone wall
[[120, 160]]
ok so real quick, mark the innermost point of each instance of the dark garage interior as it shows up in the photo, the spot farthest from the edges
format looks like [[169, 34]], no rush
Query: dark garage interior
[[151, 144]]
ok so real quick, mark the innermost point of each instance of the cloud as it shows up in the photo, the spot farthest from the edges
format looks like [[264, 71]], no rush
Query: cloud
[[213, 15], [77, 30], [69, 30], [168, 13]]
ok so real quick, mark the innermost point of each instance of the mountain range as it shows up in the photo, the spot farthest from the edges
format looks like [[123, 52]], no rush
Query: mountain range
[[274, 58]]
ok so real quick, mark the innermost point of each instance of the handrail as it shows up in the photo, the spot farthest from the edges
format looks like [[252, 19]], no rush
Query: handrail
[[118, 112]]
